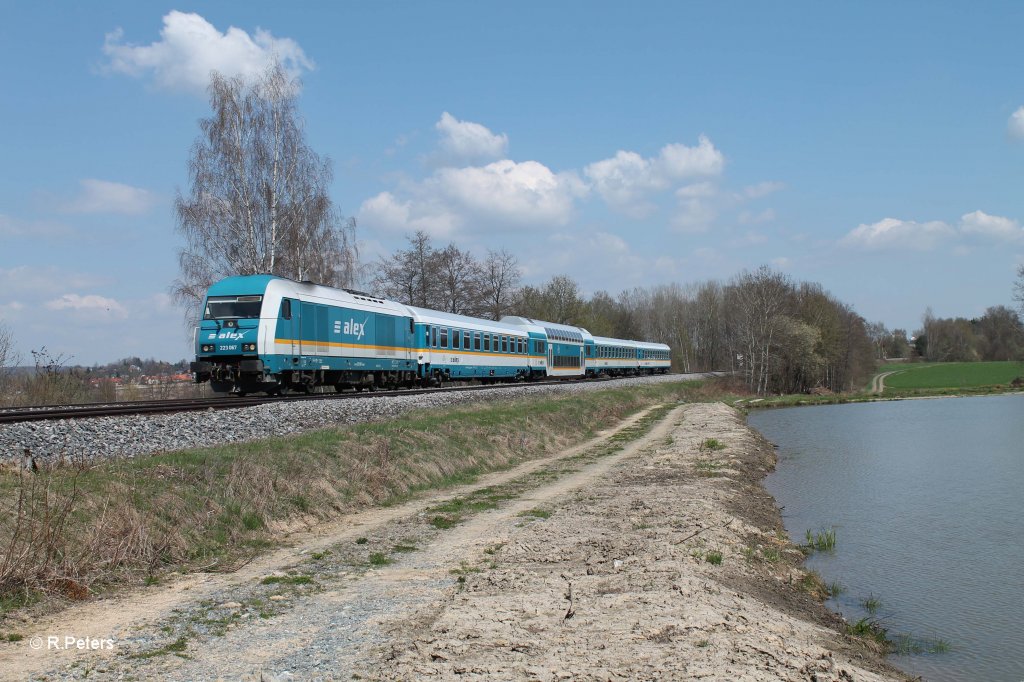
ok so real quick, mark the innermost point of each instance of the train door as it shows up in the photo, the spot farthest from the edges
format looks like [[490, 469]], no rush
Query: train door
[[307, 329], [290, 325]]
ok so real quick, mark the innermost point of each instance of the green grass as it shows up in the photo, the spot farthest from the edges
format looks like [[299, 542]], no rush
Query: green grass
[[535, 513], [869, 628], [380, 559], [872, 604], [287, 580], [712, 444], [950, 375], [176, 647], [908, 644], [823, 541], [713, 558]]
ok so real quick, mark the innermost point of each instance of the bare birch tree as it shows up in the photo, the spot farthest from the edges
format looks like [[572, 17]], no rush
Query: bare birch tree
[[259, 199]]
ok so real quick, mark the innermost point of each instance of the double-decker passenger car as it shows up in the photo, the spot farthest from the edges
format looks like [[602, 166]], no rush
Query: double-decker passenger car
[[268, 333], [459, 347]]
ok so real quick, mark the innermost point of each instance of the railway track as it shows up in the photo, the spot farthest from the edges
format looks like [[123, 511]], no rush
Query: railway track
[[141, 407]]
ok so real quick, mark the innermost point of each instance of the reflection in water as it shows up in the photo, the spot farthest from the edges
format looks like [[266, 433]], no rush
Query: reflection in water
[[926, 499]]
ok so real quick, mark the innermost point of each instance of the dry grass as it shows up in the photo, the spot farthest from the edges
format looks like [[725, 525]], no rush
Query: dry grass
[[70, 531]]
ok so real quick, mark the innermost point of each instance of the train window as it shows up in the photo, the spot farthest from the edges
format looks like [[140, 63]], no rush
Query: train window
[[433, 337], [476, 341], [232, 307], [444, 337], [286, 309], [487, 342], [426, 336], [456, 339], [466, 340], [504, 344]]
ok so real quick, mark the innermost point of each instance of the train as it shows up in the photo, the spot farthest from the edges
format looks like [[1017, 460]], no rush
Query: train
[[269, 334]]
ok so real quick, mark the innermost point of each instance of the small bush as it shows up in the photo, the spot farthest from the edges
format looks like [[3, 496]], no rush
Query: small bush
[[712, 444], [823, 541], [380, 559], [713, 558]]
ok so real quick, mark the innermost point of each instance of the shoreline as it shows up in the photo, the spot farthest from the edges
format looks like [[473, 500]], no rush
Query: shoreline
[[800, 400]]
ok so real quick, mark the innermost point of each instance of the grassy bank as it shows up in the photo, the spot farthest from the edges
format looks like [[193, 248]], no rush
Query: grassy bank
[[71, 532], [950, 376]]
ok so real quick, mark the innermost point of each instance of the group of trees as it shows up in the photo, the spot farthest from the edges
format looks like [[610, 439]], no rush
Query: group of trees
[[449, 279], [996, 335], [779, 335]]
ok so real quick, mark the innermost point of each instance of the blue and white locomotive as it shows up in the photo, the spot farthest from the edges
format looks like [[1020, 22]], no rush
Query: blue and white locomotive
[[263, 333]]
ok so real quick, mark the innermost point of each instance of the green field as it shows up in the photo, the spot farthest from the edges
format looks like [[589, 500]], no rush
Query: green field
[[950, 375]]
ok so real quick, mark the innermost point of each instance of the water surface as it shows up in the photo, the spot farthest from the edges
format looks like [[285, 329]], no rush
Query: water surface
[[927, 499]]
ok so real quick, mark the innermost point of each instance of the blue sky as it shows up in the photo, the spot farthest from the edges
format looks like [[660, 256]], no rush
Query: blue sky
[[876, 148]]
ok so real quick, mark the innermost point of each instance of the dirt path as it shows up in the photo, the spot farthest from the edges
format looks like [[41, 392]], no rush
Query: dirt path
[[878, 381], [131, 619], [650, 552]]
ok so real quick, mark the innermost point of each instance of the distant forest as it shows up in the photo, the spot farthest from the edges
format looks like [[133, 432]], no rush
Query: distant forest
[[782, 336]]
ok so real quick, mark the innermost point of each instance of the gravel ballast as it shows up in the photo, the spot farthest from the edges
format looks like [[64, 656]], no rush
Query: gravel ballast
[[134, 436]]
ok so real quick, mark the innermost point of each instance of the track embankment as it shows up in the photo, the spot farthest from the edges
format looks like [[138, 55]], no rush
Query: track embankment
[[648, 552]]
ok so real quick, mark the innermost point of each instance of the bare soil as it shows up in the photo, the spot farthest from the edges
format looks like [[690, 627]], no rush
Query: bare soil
[[648, 552]]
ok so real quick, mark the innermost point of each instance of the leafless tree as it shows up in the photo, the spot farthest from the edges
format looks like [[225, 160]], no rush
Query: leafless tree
[[1018, 288], [461, 282], [1000, 334], [410, 275], [259, 198], [8, 357], [501, 282], [757, 302]]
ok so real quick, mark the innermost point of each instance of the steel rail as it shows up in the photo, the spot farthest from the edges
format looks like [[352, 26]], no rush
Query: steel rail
[[84, 411]]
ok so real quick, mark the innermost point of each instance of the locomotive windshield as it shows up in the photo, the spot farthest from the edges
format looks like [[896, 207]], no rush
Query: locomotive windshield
[[232, 307]]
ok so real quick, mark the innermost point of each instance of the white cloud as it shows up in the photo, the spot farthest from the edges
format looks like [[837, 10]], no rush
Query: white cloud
[[1015, 126], [11, 309], [678, 161], [388, 213], [45, 281], [517, 193], [627, 178], [470, 141], [695, 210], [90, 303], [897, 234], [750, 218], [782, 262], [476, 198], [982, 223], [9, 227], [190, 48], [762, 189], [102, 196], [749, 238]]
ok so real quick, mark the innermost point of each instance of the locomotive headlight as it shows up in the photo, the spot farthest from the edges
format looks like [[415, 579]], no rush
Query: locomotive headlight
[[249, 347], [207, 348]]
